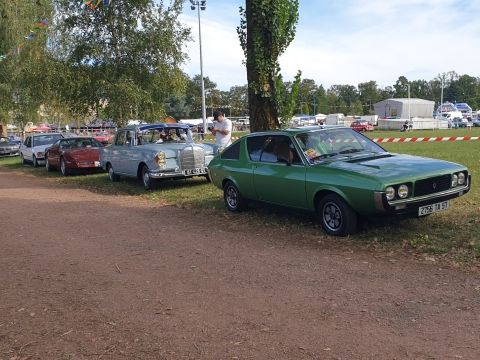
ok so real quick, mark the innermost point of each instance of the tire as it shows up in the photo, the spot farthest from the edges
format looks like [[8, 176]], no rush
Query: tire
[[147, 181], [111, 174], [47, 164], [63, 168], [336, 216], [34, 161], [234, 201]]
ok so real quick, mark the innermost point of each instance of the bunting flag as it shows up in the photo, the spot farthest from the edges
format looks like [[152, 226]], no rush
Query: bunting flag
[[43, 23], [40, 24], [30, 36], [94, 4]]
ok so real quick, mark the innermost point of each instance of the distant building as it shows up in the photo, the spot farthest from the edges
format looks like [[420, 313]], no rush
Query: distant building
[[399, 108]]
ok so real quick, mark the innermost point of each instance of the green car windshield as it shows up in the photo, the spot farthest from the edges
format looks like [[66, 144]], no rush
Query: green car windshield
[[322, 144]]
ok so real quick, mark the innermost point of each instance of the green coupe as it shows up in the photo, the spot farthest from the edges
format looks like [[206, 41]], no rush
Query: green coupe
[[336, 172]]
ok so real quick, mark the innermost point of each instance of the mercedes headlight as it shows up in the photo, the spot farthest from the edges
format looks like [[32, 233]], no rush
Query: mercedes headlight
[[454, 180], [461, 178], [402, 191], [390, 193], [160, 159]]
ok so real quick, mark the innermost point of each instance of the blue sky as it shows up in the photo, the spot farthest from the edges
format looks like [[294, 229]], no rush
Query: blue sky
[[348, 41]]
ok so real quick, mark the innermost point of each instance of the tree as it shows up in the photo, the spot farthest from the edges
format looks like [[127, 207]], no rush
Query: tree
[[266, 29], [129, 49], [368, 95], [401, 87], [306, 96], [238, 100], [22, 49]]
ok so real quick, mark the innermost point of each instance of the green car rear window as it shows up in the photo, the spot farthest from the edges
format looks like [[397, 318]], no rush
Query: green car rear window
[[232, 153]]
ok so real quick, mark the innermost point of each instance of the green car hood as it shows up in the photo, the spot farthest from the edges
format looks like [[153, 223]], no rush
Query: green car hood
[[392, 168]]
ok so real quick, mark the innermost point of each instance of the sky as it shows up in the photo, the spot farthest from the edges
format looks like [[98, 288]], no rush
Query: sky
[[347, 41]]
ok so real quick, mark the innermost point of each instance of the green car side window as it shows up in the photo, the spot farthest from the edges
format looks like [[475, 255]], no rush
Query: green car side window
[[255, 145]]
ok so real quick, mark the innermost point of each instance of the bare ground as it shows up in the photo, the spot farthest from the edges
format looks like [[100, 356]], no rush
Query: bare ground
[[89, 276]]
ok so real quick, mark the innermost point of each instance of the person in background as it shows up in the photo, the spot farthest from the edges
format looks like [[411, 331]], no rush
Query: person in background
[[222, 129]]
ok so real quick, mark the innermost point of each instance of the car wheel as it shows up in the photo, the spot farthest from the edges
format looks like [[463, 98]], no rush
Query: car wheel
[[63, 168], [47, 164], [146, 179], [111, 173], [34, 161], [234, 201], [336, 216]]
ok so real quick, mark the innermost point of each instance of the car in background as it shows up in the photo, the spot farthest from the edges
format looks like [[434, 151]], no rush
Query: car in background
[[151, 152], [361, 125], [8, 147], [74, 155], [336, 172], [476, 122], [459, 123], [33, 148], [104, 137]]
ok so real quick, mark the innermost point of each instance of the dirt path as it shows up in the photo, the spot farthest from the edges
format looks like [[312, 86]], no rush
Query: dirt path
[[88, 276]]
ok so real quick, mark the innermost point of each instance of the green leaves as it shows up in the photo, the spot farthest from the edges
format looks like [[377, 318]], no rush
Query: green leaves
[[266, 29]]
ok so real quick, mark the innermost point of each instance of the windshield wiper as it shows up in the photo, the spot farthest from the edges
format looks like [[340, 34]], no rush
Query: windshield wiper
[[323, 156], [350, 151]]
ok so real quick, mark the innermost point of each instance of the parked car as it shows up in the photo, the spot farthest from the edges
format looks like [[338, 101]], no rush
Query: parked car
[[336, 172], [459, 123], [104, 137], [73, 155], [156, 151], [361, 125], [33, 148], [8, 147], [476, 122]]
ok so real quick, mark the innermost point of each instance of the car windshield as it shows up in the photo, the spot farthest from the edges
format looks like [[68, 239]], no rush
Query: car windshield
[[163, 135], [45, 139], [76, 143], [321, 144]]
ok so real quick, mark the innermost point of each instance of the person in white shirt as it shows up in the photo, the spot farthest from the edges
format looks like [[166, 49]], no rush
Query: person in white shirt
[[222, 129]]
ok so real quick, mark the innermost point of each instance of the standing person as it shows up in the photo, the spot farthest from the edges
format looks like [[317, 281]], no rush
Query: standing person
[[222, 129]]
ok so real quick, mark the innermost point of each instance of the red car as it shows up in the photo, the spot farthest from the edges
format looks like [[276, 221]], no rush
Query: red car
[[73, 155], [104, 137], [361, 125]]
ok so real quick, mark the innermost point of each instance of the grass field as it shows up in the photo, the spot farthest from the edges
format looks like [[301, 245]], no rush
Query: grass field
[[453, 235]]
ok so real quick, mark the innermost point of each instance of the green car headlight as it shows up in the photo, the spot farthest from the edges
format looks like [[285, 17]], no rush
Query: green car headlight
[[160, 159], [403, 191], [461, 178], [390, 193], [454, 180]]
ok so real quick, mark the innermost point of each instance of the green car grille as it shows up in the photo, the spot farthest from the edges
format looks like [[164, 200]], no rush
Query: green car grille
[[433, 185]]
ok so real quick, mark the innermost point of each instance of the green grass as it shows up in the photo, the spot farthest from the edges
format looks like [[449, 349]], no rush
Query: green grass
[[452, 235]]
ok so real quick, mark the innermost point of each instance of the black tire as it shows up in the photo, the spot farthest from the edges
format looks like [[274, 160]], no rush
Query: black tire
[[336, 216], [63, 168], [111, 174], [47, 163], [34, 161], [147, 181], [234, 201]]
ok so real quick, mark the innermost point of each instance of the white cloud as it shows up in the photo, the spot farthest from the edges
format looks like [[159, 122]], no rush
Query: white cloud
[[361, 41]]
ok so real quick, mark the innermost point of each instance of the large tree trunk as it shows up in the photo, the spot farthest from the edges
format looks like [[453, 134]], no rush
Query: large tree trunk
[[262, 107]]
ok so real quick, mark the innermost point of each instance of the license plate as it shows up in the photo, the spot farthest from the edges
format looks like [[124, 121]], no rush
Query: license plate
[[429, 209], [97, 163], [193, 171]]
